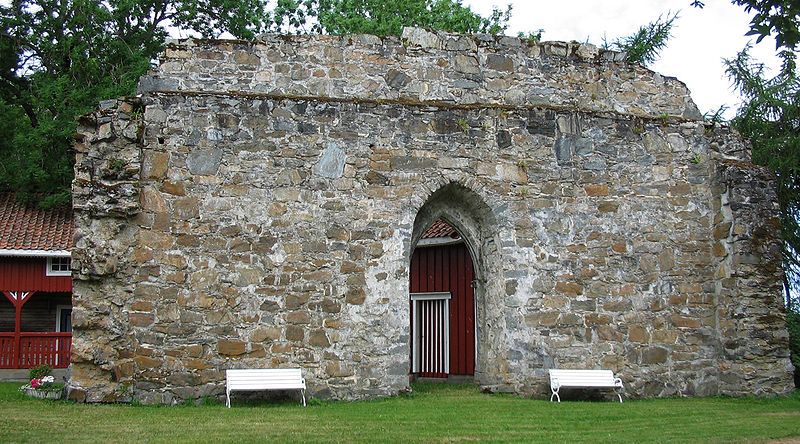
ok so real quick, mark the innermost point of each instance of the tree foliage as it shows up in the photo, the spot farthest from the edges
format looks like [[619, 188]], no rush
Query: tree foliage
[[59, 58], [382, 17], [779, 18], [645, 45], [770, 119]]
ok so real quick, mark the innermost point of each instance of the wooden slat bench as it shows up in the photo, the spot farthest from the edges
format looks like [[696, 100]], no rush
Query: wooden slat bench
[[264, 379], [583, 379]]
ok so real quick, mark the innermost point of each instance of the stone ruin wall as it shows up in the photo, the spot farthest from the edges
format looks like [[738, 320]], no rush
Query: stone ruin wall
[[258, 204]]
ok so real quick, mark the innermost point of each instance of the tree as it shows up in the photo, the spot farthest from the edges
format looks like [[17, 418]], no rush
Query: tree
[[770, 118], [779, 18], [59, 58], [381, 17], [644, 45]]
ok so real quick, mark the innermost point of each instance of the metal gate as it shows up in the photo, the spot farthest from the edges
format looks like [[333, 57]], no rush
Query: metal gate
[[430, 315]]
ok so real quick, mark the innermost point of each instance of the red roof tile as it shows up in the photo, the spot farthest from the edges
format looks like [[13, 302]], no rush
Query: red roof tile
[[440, 228], [30, 228]]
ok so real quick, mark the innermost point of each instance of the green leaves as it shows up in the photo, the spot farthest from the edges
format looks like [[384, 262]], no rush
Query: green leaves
[[389, 17], [644, 45], [780, 18], [59, 58], [770, 119]]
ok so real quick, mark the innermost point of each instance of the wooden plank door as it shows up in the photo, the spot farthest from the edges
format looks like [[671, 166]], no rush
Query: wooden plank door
[[445, 269]]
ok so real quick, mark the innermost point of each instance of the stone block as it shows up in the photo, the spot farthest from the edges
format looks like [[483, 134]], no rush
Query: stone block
[[295, 333], [155, 165], [227, 347], [141, 319], [655, 355]]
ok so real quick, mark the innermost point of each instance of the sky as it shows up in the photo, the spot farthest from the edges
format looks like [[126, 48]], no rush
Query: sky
[[701, 38]]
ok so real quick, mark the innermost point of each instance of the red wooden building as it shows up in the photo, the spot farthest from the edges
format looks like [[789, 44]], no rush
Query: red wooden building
[[442, 305], [36, 286]]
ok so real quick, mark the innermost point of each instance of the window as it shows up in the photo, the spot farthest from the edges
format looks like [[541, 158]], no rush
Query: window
[[58, 266]]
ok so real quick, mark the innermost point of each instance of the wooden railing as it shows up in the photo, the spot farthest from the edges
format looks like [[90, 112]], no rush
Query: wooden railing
[[30, 349]]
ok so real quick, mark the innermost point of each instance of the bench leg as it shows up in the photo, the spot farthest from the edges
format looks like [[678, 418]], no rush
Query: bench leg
[[227, 399], [619, 395], [555, 393], [303, 395]]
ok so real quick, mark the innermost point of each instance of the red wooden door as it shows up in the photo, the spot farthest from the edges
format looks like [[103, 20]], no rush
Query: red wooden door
[[446, 269]]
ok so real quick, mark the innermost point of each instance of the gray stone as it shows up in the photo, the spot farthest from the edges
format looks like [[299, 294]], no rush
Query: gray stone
[[204, 162], [397, 79], [331, 162]]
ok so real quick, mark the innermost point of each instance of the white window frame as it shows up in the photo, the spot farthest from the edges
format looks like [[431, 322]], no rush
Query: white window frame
[[59, 309], [49, 269]]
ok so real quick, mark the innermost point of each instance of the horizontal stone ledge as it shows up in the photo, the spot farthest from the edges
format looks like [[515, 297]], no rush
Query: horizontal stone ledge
[[250, 95]]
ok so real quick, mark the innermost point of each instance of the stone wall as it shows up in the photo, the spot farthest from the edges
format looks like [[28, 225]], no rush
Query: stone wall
[[257, 206]]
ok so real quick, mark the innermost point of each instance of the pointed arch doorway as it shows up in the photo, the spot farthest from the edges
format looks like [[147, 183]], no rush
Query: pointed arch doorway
[[442, 303]]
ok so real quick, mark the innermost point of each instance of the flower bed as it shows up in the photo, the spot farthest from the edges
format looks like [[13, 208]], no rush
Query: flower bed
[[43, 388]]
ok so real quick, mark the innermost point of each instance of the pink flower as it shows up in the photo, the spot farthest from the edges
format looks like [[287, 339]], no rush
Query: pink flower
[[35, 383]]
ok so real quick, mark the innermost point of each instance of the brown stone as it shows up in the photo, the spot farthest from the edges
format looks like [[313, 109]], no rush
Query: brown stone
[[197, 364], [151, 200], [186, 208], [666, 260], [124, 370], [298, 317], [318, 338], [142, 306], [569, 319], [655, 355], [76, 395], [684, 321], [569, 288], [194, 350], [174, 188], [619, 247], [607, 207], [141, 319], [228, 347], [596, 190], [722, 230], [638, 333], [337, 233], [665, 336], [351, 267], [330, 306], [593, 319], [148, 362], [609, 333], [295, 333], [155, 164], [542, 319], [281, 348], [576, 248], [332, 323], [337, 370], [356, 296]]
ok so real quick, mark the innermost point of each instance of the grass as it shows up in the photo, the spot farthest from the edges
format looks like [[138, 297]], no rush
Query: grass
[[432, 413]]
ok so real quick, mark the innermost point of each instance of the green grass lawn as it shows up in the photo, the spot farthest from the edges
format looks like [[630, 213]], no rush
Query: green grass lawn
[[432, 413]]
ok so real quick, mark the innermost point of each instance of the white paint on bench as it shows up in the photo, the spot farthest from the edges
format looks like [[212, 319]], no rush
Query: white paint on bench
[[264, 379], [583, 379]]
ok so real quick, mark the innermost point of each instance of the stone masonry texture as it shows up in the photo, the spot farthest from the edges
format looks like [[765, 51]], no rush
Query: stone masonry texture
[[257, 205]]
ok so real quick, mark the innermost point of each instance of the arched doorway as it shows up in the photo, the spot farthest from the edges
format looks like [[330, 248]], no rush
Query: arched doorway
[[442, 304]]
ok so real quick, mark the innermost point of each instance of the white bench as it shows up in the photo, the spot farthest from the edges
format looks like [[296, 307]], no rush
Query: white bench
[[264, 379], [583, 379]]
